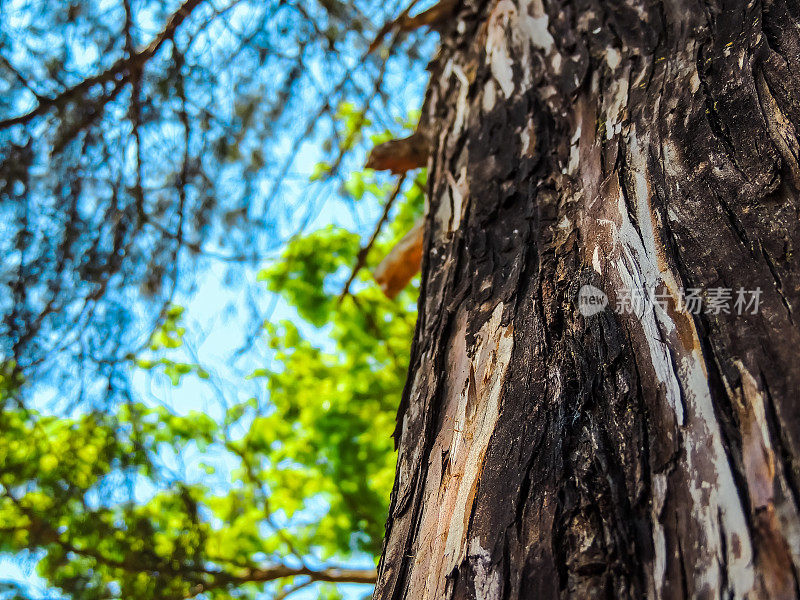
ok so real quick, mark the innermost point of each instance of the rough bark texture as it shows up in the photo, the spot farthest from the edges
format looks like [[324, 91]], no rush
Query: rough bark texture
[[647, 144]]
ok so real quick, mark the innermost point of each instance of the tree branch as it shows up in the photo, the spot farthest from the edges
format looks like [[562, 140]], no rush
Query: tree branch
[[330, 575], [288, 591], [118, 72], [214, 579], [435, 15], [272, 573], [362, 254]]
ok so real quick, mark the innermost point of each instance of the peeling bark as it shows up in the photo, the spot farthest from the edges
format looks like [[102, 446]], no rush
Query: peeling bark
[[399, 156], [398, 267], [627, 145]]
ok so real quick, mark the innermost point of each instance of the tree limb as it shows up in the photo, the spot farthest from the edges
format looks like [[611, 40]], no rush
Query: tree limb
[[272, 573], [331, 574], [215, 579], [286, 592], [118, 72], [436, 14], [362, 254]]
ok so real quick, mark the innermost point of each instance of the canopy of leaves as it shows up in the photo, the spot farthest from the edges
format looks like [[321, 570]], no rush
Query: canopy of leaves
[[140, 143], [306, 475], [140, 138]]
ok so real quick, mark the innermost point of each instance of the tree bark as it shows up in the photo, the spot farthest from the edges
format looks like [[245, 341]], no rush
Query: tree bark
[[644, 145]]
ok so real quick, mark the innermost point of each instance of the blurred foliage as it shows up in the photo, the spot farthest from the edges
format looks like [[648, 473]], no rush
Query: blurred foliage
[[309, 473], [125, 174]]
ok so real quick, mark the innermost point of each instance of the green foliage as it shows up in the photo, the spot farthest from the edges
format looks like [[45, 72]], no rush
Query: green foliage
[[307, 264], [169, 336], [11, 379], [307, 474]]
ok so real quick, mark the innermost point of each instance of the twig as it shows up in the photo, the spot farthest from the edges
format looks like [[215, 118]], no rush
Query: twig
[[118, 72], [20, 77], [286, 592], [327, 108], [387, 27], [361, 259], [331, 575]]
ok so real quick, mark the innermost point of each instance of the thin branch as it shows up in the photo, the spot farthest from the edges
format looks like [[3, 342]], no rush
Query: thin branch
[[388, 26], [326, 109], [92, 113], [120, 71], [375, 329], [288, 591], [259, 485], [361, 259], [436, 15], [183, 177], [265, 575], [20, 77]]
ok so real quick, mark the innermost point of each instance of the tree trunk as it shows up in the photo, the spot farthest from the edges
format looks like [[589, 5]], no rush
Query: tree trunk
[[642, 147]]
